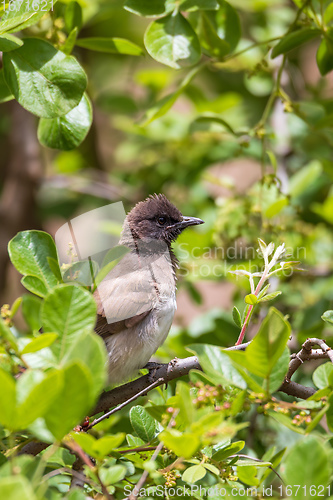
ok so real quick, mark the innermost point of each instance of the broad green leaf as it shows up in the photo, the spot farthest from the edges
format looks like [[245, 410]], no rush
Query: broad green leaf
[[143, 424], [110, 45], [239, 362], [323, 376], [294, 39], [28, 251], [90, 349], [35, 285], [172, 41], [193, 5], [157, 411], [54, 266], [31, 309], [68, 310], [182, 444], [5, 93], [113, 474], [21, 15], [16, 487], [7, 399], [229, 27], [9, 42], [268, 345], [149, 8], [73, 402], [276, 207], [98, 448], [325, 56], [194, 474], [329, 413], [73, 16], [210, 40], [68, 131], [328, 14], [237, 317], [328, 317], [231, 449], [278, 372], [251, 299], [183, 400], [43, 79], [7, 335], [35, 394], [317, 419], [44, 340], [248, 475], [307, 463], [217, 365]]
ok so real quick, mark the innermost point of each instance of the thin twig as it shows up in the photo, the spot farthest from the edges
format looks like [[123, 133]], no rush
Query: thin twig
[[125, 403]]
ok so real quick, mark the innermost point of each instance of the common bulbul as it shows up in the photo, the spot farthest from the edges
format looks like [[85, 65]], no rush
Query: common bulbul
[[136, 301]]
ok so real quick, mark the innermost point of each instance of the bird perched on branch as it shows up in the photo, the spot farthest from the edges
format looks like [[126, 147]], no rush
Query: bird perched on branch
[[136, 301]]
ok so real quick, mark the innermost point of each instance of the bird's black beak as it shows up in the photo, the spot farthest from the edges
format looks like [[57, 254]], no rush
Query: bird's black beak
[[186, 222]]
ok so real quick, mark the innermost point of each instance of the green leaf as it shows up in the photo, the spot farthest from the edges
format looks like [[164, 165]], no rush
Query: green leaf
[[35, 285], [194, 5], [209, 118], [73, 402], [328, 317], [183, 401], [329, 413], [182, 444], [113, 474], [16, 487], [300, 467], [9, 42], [90, 349], [68, 131], [278, 372], [98, 448], [286, 421], [43, 79], [236, 316], [293, 40], [21, 15], [268, 345], [110, 45], [7, 335], [276, 207], [44, 340], [325, 56], [143, 424], [251, 299], [226, 451], [229, 27], [210, 39], [248, 475], [31, 309], [29, 251], [217, 365], [147, 8], [270, 296], [68, 310], [172, 41], [73, 16], [7, 400], [322, 376], [54, 266], [36, 391], [194, 474], [70, 42], [5, 93]]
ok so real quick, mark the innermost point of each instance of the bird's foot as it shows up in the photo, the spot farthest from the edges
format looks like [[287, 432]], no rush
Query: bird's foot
[[152, 367]]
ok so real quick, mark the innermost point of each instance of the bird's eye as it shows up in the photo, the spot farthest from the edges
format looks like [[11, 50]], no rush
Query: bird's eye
[[161, 220]]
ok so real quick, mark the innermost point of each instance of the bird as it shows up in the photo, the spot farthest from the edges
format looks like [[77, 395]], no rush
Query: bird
[[136, 301]]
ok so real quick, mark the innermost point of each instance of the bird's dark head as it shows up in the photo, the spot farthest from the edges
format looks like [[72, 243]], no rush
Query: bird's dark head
[[156, 218]]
